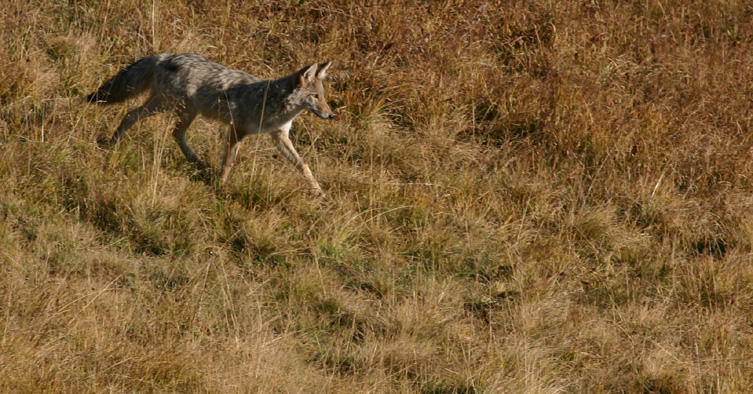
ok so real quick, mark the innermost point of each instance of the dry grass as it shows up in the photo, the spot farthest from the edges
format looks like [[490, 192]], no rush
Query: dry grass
[[538, 197]]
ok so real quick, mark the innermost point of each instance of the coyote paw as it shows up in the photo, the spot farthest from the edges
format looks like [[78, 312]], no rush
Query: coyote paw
[[104, 142], [200, 165]]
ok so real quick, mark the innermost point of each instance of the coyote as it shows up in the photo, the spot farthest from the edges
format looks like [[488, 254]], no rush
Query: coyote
[[189, 85]]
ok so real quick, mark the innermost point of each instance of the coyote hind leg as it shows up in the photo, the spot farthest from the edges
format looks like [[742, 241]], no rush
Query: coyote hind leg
[[154, 105], [179, 134]]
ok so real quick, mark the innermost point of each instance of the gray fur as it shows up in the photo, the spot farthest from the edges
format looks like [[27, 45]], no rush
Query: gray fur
[[190, 85]]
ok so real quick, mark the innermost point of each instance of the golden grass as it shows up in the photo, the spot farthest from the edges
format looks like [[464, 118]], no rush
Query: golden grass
[[525, 197]]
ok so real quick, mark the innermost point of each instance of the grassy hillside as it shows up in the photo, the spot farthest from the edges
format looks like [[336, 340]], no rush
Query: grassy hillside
[[524, 197]]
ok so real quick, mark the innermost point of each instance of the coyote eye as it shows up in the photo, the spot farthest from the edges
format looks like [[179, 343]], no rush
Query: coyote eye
[[315, 96]]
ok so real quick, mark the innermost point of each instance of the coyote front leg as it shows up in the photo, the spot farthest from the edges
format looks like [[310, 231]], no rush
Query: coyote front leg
[[231, 151], [285, 146]]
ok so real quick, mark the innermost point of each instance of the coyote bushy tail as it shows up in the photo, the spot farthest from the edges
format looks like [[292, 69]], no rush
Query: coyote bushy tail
[[129, 82], [190, 85]]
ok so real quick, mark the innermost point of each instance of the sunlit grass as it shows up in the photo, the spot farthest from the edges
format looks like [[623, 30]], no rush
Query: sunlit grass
[[537, 197]]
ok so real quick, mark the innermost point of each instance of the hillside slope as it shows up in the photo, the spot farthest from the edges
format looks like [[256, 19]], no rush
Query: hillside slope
[[524, 197]]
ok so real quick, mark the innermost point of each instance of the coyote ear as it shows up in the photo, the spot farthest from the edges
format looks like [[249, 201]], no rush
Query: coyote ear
[[323, 70], [307, 75]]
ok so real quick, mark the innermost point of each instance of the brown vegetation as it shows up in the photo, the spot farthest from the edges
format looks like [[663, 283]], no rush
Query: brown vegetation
[[525, 197]]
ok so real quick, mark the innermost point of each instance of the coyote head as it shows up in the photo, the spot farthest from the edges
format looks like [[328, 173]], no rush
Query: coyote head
[[309, 92]]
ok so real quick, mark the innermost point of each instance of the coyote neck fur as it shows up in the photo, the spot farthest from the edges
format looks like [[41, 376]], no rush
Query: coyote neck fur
[[276, 105]]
